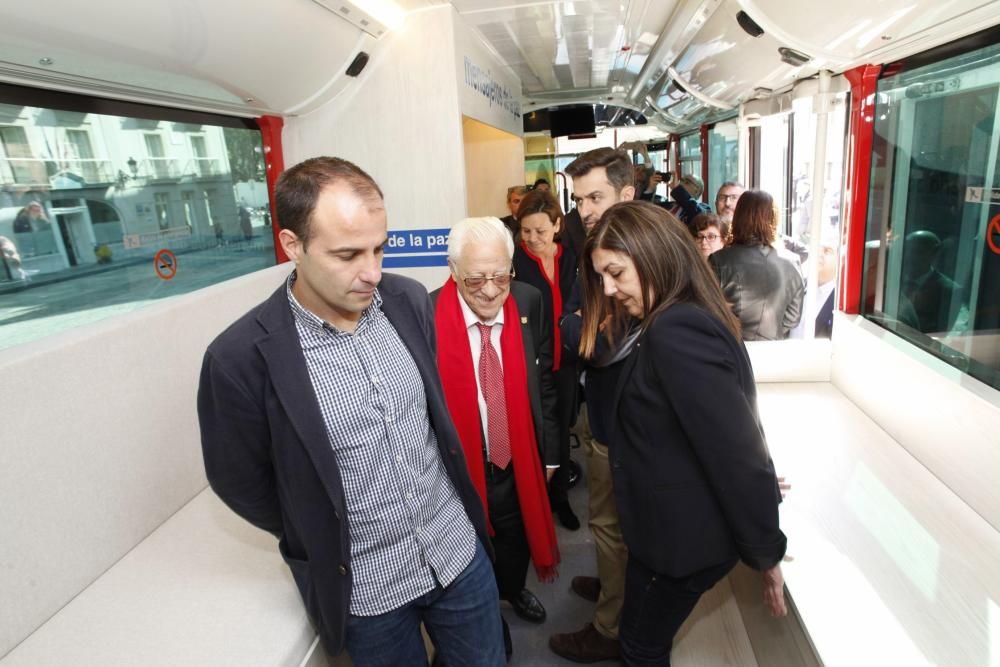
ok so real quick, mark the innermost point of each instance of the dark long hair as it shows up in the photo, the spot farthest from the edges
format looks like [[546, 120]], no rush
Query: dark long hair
[[755, 219], [669, 265]]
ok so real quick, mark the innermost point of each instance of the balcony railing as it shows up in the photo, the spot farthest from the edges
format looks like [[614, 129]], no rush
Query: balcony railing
[[203, 166], [92, 170], [36, 172], [25, 171], [159, 167]]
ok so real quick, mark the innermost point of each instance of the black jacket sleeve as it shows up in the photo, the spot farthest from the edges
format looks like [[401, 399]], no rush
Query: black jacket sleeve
[[549, 447], [236, 447], [689, 205]]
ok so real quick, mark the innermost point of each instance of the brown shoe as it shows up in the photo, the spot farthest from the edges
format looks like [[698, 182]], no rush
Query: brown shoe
[[587, 645], [589, 588]]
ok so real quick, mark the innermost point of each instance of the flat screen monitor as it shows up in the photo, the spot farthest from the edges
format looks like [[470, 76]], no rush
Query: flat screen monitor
[[564, 121]]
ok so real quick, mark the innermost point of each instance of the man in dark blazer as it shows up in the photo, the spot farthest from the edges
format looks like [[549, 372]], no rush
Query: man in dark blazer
[[323, 422], [474, 314], [601, 178]]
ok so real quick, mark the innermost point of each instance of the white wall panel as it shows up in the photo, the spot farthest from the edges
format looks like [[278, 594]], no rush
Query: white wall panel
[[488, 90], [101, 443], [949, 421], [401, 125]]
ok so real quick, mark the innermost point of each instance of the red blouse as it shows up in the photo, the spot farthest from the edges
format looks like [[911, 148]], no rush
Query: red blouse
[[557, 305]]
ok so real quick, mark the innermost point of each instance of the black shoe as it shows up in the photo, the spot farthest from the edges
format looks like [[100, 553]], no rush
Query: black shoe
[[567, 518], [528, 607]]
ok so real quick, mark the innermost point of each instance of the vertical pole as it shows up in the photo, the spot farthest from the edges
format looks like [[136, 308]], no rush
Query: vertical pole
[[704, 160], [821, 107], [274, 164]]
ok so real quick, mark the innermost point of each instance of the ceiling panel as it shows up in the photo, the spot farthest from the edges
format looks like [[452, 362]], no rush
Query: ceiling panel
[[556, 46]]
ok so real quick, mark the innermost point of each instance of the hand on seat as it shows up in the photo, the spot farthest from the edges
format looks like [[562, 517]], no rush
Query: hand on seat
[[774, 591]]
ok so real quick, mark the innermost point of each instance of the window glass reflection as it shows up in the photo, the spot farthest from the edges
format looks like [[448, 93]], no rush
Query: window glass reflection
[[88, 200], [932, 254], [689, 155], [723, 160]]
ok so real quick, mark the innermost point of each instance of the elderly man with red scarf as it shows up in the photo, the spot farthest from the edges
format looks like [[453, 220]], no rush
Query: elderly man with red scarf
[[494, 355]]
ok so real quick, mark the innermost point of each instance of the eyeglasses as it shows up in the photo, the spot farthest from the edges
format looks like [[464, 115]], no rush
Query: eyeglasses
[[711, 238], [727, 198], [500, 280]]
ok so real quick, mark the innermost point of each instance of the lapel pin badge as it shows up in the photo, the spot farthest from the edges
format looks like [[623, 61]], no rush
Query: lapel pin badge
[[524, 320]]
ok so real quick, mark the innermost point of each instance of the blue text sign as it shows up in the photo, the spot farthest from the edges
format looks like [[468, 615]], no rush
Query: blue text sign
[[416, 247]]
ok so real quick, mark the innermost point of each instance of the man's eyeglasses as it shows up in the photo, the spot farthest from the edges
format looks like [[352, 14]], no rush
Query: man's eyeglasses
[[477, 281], [727, 198], [711, 238]]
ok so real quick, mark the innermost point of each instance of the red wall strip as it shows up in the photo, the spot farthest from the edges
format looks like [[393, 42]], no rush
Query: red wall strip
[[863, 82], [274, 164]]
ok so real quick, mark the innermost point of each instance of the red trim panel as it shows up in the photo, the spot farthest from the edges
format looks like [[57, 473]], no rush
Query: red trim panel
[[274, 163], [704, 160], [863, 82]]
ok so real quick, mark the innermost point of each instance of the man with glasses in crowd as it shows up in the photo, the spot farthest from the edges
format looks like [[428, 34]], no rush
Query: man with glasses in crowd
[[495, 360], [725, 201]]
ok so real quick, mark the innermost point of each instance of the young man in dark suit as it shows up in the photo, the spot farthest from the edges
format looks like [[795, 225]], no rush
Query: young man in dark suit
[[323, 422], [601, 178]]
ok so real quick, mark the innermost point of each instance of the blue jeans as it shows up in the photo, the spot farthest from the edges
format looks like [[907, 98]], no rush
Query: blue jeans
[[462, 619]]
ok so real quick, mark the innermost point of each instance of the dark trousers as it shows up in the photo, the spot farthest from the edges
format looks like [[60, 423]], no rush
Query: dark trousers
[[509, 541], [655, 608], [567, 380]]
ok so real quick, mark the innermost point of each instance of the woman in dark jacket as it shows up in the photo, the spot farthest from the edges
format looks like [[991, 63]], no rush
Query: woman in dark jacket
[[542, 261], [695, 493], [762, 283]]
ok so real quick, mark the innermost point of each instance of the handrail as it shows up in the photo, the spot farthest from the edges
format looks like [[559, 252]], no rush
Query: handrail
[[565, 190]]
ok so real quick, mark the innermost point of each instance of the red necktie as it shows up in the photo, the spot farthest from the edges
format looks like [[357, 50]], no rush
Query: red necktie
[[491, 383]]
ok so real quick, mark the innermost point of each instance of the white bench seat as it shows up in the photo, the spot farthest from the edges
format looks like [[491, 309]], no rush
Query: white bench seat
[[205, 588], [890, 566]]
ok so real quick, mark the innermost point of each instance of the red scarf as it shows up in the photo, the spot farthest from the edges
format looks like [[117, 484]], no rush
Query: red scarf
[[556, 300], [461, 392]]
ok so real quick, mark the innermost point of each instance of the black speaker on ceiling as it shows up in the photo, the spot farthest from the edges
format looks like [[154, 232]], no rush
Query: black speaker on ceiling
[[749, 26], [357, 64]]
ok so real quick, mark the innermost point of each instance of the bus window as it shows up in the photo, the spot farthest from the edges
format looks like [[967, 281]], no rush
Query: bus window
[[89, 200], [932, 264], [774, 163], [723, 157], [689, 155]]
